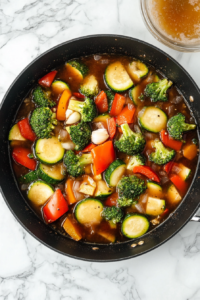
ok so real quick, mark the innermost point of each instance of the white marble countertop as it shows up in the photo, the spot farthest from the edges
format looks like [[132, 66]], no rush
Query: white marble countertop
[[29, 270]]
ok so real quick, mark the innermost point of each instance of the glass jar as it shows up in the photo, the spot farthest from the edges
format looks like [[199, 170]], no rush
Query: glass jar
[[155, 30]]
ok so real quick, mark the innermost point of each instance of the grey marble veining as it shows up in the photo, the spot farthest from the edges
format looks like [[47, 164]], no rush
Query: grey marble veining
[[30, 271]]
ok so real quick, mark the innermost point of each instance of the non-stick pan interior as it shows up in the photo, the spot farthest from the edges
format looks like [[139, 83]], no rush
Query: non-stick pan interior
[[17, 92]]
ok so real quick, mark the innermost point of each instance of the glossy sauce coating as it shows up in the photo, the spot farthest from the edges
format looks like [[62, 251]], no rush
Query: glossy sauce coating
[[97, 65]]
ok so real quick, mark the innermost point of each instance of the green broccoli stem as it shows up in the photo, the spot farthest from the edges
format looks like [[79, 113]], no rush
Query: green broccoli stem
[[126, 130], [187, 127], [86, 159], [76, 105]]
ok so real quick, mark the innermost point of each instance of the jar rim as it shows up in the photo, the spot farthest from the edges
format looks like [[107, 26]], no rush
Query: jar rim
[[183, 47]]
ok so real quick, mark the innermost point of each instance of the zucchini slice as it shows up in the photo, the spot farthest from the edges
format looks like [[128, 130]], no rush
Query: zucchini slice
[[107, 235], [102, 190], [101, 118], [154, 189], [137, 70], [114, 172], [39, 192], [15, 134], [29, 177], [185, 172], [152, 119], [51, 174], [89, 87], [58, 86], [134, 226], [49, 151], [89, 211], [134, 94], [155, 206], [117, 78], [76, 70], [173, 195]]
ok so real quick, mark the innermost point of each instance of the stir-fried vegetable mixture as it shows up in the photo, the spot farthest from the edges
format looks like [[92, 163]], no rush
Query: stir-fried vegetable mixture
[[104, 149]]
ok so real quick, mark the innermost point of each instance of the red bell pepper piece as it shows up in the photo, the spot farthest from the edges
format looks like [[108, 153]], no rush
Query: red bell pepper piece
[[126, 115], [168, 167], [111, 200], [165, 213], [111, 127], [20, 155], [117, 105], [88, 148], [146, 171], [101, 102], [179, 183], [170, 142], [78, 95], [103, 155], [47, 79], [55, 207], [26, 130]]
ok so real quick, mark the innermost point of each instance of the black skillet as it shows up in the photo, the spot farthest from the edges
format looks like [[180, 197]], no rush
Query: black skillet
[[13, 98]]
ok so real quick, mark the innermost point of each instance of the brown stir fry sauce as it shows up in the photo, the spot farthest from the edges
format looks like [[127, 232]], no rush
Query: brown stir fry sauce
[[175, 104]]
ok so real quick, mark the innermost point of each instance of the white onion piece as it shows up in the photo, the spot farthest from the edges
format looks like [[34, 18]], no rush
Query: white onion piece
[[73, 118], [68, 113], [176, 169], [139, 208], [68, 145], [99, 136], [177, 100], [76, 187], [137, 128]]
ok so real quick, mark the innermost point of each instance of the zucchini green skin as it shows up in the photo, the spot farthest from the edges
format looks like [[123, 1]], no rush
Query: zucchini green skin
[[150, 124], [110, 172], [133, 96], [101, 118], [90, 215], [43, 191], [60, 85], [102, 190], [47, 178], [133, 217], [110, 85], [29, 177], [40, 155], [154, 185]]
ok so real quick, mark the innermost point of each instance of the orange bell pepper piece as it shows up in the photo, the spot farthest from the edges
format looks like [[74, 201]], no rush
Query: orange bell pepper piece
[[69, 191], [63, 104]]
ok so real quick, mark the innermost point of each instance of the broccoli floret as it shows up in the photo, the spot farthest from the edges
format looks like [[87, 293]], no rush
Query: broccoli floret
[[162, 155], [80, 135], [130, 142], [136, 160], [83, 69], [110, 96], [89, 87], [87, 109], [75, 164], [113, 214], [157, 91], [176, 126], [42, 121], [41, 99], [129, 188]]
